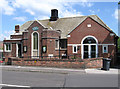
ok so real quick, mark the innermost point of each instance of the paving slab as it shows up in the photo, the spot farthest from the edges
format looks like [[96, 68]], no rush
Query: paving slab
[[99, 71]]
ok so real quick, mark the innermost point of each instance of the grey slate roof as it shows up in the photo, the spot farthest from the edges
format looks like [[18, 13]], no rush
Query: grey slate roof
[[66, 25]]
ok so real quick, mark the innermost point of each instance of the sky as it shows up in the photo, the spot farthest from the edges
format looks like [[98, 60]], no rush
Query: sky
[[14, 12]]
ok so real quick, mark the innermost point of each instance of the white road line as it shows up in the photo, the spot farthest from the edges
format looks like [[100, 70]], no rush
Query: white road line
[[13, 85]]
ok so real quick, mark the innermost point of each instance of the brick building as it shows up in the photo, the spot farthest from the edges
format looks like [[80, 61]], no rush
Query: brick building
[[87, 36]]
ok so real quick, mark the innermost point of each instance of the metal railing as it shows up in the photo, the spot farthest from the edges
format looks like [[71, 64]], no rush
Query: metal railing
[[71, 58]]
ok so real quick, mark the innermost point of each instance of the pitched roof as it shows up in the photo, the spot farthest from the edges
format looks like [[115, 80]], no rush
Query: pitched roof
[[66, 25]]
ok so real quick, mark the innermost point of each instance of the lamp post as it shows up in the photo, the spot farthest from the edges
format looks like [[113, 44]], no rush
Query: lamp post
[[59, 47], [59, 41]]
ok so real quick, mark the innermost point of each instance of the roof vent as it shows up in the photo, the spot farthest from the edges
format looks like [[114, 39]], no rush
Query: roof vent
[[54, 15]]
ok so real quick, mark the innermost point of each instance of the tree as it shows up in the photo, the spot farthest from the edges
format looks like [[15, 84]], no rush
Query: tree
[[119, 44]]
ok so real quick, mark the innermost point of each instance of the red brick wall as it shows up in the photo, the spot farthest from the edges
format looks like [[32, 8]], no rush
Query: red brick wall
[[86, 63]]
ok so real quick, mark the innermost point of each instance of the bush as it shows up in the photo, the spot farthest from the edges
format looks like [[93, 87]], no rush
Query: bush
[[119, 44]]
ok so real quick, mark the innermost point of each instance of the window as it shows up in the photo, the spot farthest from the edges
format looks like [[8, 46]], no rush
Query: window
[[44, 49], [74, 49], [57, 44], [89, 40], [8, 47], [25, 49], [88, 25], [105, 49], [35, 41], [63, 43]]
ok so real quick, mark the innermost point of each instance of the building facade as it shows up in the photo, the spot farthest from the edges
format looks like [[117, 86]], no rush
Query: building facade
[[87, 36]]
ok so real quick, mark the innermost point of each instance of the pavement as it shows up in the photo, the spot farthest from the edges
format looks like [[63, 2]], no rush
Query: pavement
[[99, 71], [59, 70]]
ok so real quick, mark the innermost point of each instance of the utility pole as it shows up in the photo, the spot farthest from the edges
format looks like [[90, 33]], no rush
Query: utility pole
[[59, 47]]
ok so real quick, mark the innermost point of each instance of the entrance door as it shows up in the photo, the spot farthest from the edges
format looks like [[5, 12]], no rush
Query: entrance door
[[18, 50], [89, 48], [89, 51]]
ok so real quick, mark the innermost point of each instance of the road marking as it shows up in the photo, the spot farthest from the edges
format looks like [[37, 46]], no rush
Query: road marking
[[13, 85]]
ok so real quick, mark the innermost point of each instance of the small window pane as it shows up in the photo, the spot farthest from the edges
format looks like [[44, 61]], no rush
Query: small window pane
[[75, 49], [8, 47], [56, 43], [105, 49]]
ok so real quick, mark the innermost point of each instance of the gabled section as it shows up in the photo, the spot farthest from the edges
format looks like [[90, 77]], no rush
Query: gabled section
[[97, 20]]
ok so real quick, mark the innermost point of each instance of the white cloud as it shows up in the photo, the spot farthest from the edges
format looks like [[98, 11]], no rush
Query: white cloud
[[92, 11], [117, 14], [41, 9], [20, 18], [6, 8], [30, 11], [6, 34], [71, 13], [86, 4]]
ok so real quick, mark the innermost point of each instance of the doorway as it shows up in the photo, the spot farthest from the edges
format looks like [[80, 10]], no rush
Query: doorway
[[89, 51], [89, 47], [18, 50]]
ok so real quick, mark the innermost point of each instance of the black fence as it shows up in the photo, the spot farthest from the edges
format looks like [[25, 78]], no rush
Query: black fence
[[75, 56], [71, 58]]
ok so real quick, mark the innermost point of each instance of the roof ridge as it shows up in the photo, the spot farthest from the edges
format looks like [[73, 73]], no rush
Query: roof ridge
[[70, 17]]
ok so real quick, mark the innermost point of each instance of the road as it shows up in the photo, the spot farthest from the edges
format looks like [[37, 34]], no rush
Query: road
[[41, 79]]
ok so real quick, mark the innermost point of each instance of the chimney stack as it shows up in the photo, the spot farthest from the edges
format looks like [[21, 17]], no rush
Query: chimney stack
[[54, 15], [17, 27]]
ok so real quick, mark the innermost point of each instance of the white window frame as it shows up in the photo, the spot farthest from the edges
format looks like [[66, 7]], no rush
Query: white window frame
[[32, 44], [73, 48], [106, 48], [6, 48]]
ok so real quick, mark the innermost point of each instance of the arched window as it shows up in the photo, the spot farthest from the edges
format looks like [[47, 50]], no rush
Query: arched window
[[89, 40], [35, 41], [89, 47], [35, 44]]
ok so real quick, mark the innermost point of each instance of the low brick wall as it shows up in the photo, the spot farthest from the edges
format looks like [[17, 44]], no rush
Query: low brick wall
[[63, 63]]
